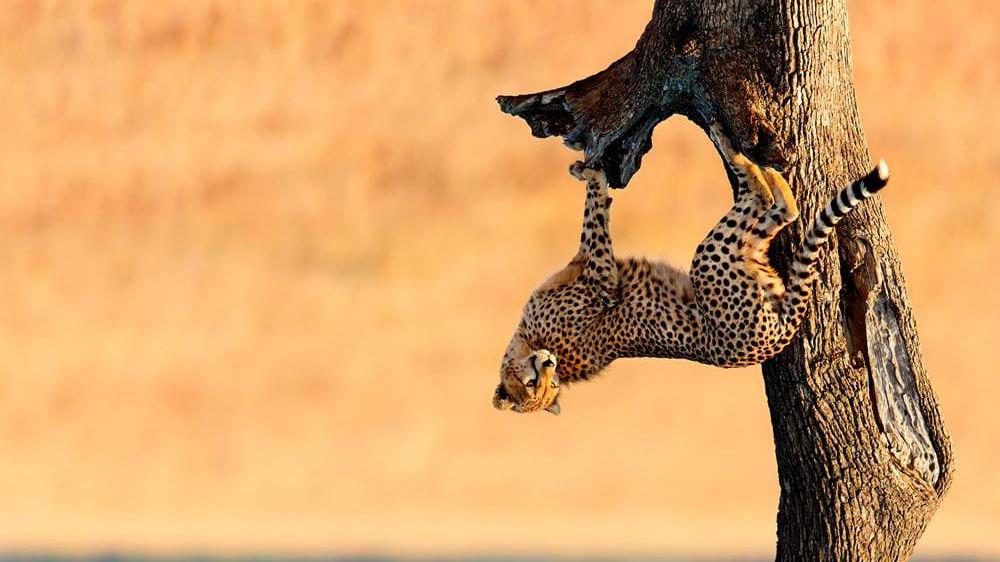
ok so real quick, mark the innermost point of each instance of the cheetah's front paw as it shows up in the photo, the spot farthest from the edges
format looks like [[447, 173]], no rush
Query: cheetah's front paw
[[593, 177]]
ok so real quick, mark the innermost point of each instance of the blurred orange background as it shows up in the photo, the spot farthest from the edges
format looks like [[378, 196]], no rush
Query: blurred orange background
[[262, 260]]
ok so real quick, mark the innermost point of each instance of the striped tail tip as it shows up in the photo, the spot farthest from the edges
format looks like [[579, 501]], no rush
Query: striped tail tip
[[883, 170], [876, 179]]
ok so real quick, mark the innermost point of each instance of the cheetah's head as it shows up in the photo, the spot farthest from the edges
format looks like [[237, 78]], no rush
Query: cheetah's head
[[528, 380]]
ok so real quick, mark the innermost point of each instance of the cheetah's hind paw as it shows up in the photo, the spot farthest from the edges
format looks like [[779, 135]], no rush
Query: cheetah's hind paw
[[782, 192], [721, 141], [752, 174]]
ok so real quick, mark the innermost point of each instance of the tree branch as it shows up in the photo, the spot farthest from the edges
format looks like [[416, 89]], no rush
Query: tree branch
[[675, 67]]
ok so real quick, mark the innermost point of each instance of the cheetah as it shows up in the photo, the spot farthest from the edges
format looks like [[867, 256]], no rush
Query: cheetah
[[731, 310]]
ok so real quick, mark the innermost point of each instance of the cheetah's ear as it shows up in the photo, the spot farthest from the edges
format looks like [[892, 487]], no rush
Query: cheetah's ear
[[501, 400], [554, 407]]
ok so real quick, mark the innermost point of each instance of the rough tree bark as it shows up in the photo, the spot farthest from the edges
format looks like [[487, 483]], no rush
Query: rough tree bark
[[863, 455]]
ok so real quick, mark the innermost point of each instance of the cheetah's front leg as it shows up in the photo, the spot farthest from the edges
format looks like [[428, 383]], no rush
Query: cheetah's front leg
[[596, 256]]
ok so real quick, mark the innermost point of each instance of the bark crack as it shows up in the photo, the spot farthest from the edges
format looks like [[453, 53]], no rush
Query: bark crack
[[895, 383], [873, 331]]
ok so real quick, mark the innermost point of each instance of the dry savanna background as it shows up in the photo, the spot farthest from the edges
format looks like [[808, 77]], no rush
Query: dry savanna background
[[261, 260]]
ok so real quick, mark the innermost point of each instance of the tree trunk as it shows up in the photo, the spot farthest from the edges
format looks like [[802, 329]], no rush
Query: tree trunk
[[863, 456]]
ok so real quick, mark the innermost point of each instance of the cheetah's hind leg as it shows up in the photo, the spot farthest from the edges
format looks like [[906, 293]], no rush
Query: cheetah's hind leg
[[783, 212], [747, 173], [781, 190], [721, 141], [751, 177], [719, 266]]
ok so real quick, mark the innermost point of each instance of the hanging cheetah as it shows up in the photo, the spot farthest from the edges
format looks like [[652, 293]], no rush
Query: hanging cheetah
[[732, 309]]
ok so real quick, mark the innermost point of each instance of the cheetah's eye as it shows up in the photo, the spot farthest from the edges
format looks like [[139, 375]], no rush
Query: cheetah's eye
[[530, 383]]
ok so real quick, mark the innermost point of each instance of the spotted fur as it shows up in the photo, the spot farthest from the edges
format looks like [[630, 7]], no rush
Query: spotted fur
[[731, 310]]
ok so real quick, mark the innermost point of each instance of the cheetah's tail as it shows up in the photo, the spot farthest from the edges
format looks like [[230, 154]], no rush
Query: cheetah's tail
[[803, 267]]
